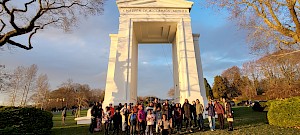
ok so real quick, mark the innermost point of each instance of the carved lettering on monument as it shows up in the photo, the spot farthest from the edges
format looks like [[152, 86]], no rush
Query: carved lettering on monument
[[153, 10]]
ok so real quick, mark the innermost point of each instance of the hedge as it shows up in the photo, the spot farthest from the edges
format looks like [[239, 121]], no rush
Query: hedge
[[16, 120], [257, 107], [285, 113], [266, 105]]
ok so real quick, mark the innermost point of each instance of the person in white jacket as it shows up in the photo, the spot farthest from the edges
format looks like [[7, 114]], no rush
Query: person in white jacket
[[124, 112], [150, 122]]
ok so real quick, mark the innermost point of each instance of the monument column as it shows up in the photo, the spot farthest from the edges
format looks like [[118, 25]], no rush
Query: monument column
[[190, 86], [122, 88], [110, 86], [175, 72], [199, 68]]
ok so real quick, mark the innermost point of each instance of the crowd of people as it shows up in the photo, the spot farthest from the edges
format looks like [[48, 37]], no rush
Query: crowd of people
[[159, 118]]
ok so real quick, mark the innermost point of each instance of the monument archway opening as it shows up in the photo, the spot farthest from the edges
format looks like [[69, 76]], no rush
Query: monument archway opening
[[151, 22], [155, 70]]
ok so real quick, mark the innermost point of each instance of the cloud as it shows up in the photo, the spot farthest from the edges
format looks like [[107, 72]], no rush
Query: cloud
[[155, 75], [83, 54], [78, 54], [145, 62], [221, 48]]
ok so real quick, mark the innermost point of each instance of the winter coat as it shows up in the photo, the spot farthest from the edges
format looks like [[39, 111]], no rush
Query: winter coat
[[199, 109], [158, 115], [117, 119], [228, 110], [167, 110], [186, 107], [141, 115], [219, 108], [211, 110], [177, 113]]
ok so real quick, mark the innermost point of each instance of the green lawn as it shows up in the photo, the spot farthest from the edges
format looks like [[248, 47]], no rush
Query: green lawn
[[246, 122]]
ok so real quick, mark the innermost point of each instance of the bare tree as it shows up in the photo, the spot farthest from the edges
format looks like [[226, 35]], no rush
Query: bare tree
[[29, 79], [273, 24], [82, 95], [4, 78], [171, 93], [251, 70], [16, 83], [68, 87], [97, 95], [230, 73], [42, 91], [28, 17], [281, 73]]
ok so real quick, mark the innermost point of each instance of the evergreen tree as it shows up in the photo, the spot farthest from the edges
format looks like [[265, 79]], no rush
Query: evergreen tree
[[235, 88], [219, 88], [209, 93]]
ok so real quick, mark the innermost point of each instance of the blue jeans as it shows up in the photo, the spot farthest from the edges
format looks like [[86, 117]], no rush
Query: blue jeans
[[132, 129], [212, 123], [200, 121]]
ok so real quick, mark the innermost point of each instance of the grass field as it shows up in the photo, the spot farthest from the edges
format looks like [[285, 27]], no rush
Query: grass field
[[246, 122]]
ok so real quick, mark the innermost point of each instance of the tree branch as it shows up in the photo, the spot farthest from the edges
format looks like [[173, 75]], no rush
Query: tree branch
[[268, 4], [284, 54], [291, 4], [19, 45], [280, 29], [65, 6], [38, 28], [3, 25], [53, 11], [26, 7], [12, 16]]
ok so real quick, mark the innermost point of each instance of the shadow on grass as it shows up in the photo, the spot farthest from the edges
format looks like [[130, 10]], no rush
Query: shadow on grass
[[245, 116], [71, 130]]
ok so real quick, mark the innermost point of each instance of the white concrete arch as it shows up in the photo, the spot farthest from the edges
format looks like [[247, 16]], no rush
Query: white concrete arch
[[154, 21]]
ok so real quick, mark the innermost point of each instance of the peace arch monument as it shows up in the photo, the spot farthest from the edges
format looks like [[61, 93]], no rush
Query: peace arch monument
[[153, 22]]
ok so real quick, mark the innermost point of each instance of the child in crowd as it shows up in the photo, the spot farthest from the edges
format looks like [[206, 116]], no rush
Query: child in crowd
[[141, 120], [158, 116], [106, 119], [150, 122], [132, 122]]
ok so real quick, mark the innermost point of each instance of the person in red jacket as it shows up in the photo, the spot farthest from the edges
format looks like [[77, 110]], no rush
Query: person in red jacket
[[220, 112], [112, 113]]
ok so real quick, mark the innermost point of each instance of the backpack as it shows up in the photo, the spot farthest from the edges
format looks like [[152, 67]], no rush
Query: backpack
[[133, 119]]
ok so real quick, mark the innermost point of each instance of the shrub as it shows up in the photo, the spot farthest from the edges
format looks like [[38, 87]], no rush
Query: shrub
[[16, 120], [285, 113], [257, 107], [266, 105]]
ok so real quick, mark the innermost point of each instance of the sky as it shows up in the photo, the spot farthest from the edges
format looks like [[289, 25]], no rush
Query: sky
[[82, 54]]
